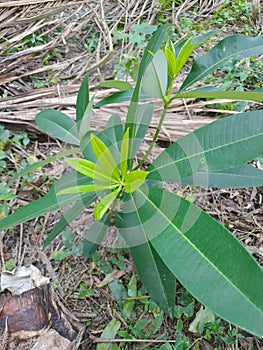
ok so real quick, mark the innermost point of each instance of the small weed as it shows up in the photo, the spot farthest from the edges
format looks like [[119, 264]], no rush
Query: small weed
[[47, 82], [91, 44], [85, 291], [10, 264], [71, 248], [31, 40], [218, 334], [8, 143], [229, 12], [6, 195], [128, 63]]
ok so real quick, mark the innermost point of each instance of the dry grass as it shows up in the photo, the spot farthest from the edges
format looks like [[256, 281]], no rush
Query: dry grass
[[45, 40]]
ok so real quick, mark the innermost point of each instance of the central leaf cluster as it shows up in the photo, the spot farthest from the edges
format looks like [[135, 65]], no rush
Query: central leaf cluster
[[107, 177]]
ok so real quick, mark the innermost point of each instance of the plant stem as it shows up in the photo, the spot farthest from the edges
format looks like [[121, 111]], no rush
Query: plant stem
[[157, 132]]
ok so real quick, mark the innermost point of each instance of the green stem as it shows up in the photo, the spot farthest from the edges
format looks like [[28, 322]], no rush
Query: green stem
[[157, 132]]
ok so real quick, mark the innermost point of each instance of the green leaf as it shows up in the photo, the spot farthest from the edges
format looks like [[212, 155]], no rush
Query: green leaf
[[94, 236], [171, 61], [94, 187], [154, 274], [87, 150], [45, 204], [226, 143], [109, 332], [128, 305], [124, 154], [198, 40], [104, 157], [228, 95], [116, 84], [131, 121], [105, 203], [152, 47], [237, 46], [145, 114], [157, 323], [68, 238], [134, 180], [89, 169], [144, 28], [203, 316], [67, 217], [239, 177], [58, 125], [118, 292], [154, 82], [36, 165], [204, 256], [175, 64], [84, 124], [120, 97], [114, 130], [82, 99], [60, 254]]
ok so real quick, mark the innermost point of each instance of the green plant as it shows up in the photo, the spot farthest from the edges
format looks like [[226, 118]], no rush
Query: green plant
[[8, 144], [91, 43], [6, 194], [128, 63], [38, 84], [167, 236]]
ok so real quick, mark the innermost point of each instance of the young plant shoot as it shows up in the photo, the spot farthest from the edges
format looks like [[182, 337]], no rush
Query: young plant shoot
[[168, 237]]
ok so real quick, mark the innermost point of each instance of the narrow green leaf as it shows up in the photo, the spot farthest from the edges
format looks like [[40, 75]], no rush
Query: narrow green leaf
[[124, 154], [109, 333], [154, 274], [128, 305], [134, 180], [204, 256], [154, 82], [227, 95], [103, 206], [239, 177], [104, 157], [58, 125], [116, 84], [94, 187], [89, 169], [82, 99], [131, 121], [94, 236], [34, 166], [171, 61], [120, 97], [145, 114], [226, 143], [157, 323], [84, 124], [67, 217], [184, 54], [237, 46], [177, 56], [198, 40], [152, 47], [87, 150]]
